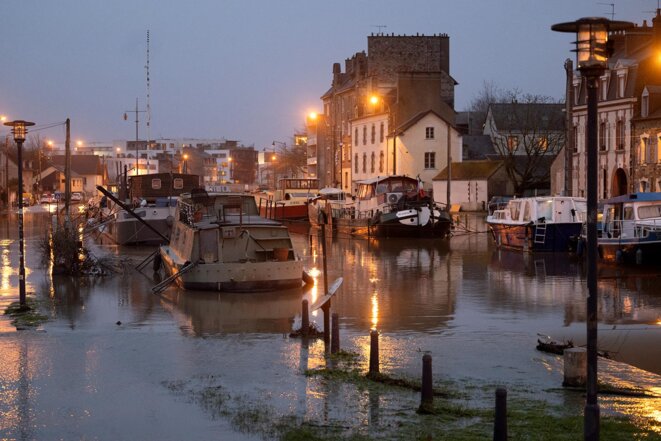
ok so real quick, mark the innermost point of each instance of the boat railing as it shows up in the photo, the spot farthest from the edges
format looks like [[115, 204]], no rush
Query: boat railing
[[631, 228]]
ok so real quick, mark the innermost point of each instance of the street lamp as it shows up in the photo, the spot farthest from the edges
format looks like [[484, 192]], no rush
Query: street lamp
[[19, 129], [592, 52], [185, 163], [374, 100]]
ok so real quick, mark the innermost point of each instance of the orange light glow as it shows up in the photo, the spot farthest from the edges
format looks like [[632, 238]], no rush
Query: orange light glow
[[313, 115], [375, 310], [374, 100]]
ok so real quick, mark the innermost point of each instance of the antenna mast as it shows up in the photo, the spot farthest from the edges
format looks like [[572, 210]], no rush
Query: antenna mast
[[612, 5], [148, 101], [380, 28]]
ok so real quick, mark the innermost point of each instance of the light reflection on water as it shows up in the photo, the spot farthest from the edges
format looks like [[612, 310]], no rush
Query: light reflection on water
[[477, 310]]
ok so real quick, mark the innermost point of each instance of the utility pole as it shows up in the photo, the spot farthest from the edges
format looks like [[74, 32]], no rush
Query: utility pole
[[137, 121], [67, 171]]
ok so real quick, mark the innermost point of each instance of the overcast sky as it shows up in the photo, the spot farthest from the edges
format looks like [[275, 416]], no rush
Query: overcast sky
[[251, 70]]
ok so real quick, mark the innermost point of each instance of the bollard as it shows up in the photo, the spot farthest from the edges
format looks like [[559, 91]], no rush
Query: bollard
[[327, 330], [374, 352], [575, 367], [305, 319], [427, 390], [500, 421], [335, 338]]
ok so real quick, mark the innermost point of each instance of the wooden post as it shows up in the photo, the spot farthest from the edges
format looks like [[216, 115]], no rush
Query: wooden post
[[335, 341], [500, 421], [305, 319], [374, 352], [427, 391]]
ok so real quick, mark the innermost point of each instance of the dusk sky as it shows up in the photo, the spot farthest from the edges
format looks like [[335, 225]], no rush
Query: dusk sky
[[251, 70]]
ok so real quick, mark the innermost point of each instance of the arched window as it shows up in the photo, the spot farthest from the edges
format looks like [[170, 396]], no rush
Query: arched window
[[372, 162], [381, 161]]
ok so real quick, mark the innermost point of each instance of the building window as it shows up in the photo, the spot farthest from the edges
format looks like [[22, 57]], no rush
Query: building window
[[364, 162], [364, 135], [602, 136], [577, 93], [619, 135], [381, 162], [430, 159], [543, 144], [512, 143], [620, 85], [355, 136], [576, 138], [642, 153], [373, 133], [381, 132], [645, 106], [372, 162], [429, 133], [355, 163], [604, 89]]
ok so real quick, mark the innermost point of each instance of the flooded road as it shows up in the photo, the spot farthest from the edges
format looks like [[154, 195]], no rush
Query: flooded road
[[115, 361]]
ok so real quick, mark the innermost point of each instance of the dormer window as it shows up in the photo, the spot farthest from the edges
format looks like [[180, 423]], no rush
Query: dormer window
[[645, 104], [621, 83], [604, 88]]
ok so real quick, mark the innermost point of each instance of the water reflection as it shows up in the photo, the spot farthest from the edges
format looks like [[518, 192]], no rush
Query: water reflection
[[209, 313]]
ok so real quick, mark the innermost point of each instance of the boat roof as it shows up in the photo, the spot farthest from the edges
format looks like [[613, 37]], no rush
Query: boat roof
[[634, 197], [385, 178], [330, 190]]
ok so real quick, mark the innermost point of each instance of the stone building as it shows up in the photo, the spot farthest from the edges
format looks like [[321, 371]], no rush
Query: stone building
[[411, 76], [629, 116]]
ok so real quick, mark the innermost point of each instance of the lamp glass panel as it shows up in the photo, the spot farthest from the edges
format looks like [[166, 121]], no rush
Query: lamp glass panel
[[591, 44]]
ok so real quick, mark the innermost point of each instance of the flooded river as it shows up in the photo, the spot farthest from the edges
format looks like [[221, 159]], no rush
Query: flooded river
[[115, 361]]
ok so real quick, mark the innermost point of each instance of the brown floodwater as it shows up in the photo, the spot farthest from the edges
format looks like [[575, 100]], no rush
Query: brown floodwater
[[115, 361]]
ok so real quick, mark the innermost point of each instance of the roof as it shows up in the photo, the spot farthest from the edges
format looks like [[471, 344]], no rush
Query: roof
[[470, 170], [634, 197], [516, 116], [411, 122], [81, 164], [384, 178], [476, 146]]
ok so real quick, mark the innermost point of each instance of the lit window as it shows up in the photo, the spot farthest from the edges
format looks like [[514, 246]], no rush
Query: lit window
[[512, 143]]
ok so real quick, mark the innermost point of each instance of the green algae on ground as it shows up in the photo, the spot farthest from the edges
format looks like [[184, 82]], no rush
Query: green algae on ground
[[25, 316]]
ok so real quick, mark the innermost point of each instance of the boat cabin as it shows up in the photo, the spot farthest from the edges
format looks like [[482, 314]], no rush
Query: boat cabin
[[543, 209], [631, 215], [296, 189]]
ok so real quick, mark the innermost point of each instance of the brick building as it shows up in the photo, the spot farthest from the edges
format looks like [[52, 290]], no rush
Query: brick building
[[409, 73]]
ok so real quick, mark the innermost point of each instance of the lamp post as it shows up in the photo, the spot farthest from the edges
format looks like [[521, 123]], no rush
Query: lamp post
[[185, 171], [592, 51], [19, 129], [374, 100]]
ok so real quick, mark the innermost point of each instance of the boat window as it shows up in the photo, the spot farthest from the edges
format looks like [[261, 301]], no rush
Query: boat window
[[649, 211], [156, 184], [545, 209], [628, 213], [526, 212], [177, 183], [515, 208], [382, 188]]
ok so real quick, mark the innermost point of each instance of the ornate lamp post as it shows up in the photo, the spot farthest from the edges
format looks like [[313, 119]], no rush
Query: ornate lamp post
[[19, 129], [592, 51]]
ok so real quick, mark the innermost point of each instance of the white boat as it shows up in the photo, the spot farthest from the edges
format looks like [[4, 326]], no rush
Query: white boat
[[289, 201], [219, 242], [153, 199], [541, 223], [631, 229], [391, 206]]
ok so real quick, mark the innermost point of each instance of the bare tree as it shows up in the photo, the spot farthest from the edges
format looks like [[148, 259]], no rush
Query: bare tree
[[527, 133]]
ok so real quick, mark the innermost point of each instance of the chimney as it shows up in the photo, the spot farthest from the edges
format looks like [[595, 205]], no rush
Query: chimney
[[336, 73]]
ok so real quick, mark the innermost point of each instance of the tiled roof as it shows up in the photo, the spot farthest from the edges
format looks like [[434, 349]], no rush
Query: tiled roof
[[470, 170]]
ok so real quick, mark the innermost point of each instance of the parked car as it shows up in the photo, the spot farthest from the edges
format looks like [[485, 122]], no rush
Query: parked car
[[47, 198]]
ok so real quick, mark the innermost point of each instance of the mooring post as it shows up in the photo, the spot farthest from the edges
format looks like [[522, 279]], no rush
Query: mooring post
[[335, 340], [374, 352], [305, 318], [427, 390], [500, 421], [327, 335]]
